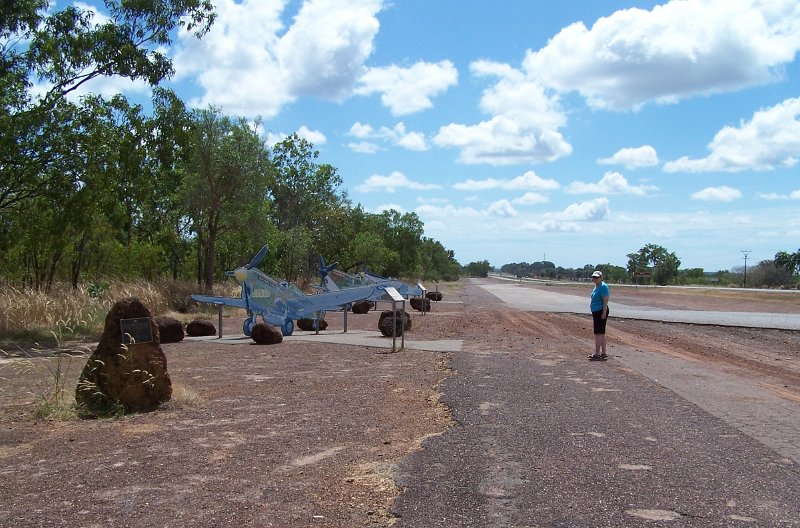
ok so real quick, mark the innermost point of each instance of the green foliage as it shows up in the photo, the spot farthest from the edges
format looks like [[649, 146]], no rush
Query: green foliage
[[661, 263], [478, 269], [63, 50], [788, 261], [93, 188]]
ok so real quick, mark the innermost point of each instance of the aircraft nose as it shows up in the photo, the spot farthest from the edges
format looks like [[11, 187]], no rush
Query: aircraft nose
[[240, 274]]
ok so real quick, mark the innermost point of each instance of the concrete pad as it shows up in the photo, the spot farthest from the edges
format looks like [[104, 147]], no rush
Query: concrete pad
[[352, 337]]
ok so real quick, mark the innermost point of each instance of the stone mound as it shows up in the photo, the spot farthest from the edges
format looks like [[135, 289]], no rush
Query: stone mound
[[264, 334], [169, 329], [361, 307], [199, 328], [129, 377], [434, 295], [385, 323], [308, 324], [420, 304]]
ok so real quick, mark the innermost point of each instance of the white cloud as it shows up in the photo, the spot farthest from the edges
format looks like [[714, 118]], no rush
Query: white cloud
[[794, 195], [449, 211], [589, 211], [610, 183], [633, 158], [391, 183], [389, 207], [408, 90], [363, 147], [523, 127], [314, 136], [502, 208], [247, 64], [528, 181], [530, 198], [717, 194], [771, 139], [397, 136], [677, 50]]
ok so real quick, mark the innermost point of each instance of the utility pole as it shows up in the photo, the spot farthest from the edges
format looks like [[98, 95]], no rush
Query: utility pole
[[745, 252]]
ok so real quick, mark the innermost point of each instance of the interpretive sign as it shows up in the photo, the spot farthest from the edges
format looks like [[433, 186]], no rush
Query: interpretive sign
[[137, 330]]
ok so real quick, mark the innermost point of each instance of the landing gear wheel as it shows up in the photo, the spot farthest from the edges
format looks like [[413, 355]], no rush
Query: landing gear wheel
[[287, 328], [247, 327]]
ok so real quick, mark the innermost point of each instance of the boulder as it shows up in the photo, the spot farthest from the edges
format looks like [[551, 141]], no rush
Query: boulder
[[420, 304], [170, 329], [361, 307], [434, 295], [385, 322], [264, 334], [124, 377], [308, 324], [199, 328]]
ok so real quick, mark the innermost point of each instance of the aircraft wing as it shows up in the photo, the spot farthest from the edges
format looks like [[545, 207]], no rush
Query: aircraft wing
[[226, 301]]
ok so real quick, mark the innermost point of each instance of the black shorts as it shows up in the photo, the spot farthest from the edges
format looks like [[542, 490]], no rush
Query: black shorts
[[599, 322]]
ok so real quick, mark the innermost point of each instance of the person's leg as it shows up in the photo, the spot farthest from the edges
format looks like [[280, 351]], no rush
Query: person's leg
[[599, 344], [602, 344]]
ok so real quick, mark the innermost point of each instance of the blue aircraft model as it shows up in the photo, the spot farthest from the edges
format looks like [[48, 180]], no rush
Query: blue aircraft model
[[346, 281], [281, 303]]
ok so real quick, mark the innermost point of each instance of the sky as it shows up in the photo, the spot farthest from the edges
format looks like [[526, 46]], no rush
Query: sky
[[526, 130]]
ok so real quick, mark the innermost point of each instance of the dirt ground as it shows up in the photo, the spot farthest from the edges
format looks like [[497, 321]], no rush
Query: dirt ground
[[308, 433]]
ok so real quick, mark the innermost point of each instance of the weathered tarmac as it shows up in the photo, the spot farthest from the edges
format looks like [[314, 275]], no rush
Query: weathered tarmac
[[549, 439]]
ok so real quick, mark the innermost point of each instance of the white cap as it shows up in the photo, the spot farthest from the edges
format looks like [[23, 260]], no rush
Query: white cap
[[597, 274]]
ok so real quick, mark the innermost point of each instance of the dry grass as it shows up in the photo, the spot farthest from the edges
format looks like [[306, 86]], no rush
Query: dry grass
[[34, 316]]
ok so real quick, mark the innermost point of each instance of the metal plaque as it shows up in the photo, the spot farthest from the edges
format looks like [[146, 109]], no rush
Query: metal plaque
[[138, 330]]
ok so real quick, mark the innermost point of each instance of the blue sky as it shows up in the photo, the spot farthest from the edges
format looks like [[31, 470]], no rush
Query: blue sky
[[522, 130]]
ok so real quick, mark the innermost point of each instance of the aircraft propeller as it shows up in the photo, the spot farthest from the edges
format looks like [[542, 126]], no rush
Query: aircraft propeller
[[323, 269]]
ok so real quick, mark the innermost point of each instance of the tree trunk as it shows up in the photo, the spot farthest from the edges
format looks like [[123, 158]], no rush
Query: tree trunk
[[77, 261]]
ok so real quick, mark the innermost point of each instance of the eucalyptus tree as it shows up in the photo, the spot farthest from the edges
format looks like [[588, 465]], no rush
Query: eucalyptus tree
[[305, 202], [401, 234], [227, 173], [662, 263], [46, 55]]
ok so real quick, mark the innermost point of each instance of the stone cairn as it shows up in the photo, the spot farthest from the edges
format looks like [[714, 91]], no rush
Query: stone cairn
[[403, 322], [308, 324], [264, 334], [200, 328], [361, 307], [124, 377]]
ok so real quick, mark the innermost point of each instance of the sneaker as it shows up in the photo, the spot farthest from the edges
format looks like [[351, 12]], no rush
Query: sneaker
[[594, 357]]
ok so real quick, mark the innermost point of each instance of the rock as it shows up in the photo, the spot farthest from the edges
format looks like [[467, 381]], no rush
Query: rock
[[308, 324], [420, 304], [119, 377], [434, 295], [361, 307], [385, 322], [264, 334], [170, 329], [198, 328]]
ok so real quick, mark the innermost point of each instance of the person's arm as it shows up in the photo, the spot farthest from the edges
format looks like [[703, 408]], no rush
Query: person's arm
[[605, 306]]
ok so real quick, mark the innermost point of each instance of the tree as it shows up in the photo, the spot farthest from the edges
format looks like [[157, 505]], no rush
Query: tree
[[788, 261], [663, 264], [62, 51], [768, 274], [227, 175], [479, 269]]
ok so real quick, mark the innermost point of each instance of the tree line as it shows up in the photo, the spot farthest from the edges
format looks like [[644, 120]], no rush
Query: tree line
[[94, 186], [654, 264]]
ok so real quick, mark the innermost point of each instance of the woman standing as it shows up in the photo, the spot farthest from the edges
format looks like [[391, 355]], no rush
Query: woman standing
[[599, 308]]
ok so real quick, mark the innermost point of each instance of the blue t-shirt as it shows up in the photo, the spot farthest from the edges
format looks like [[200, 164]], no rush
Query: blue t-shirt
[[599, 291]]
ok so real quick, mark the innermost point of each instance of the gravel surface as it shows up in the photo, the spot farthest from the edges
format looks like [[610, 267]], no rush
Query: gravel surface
[[514, 429]]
